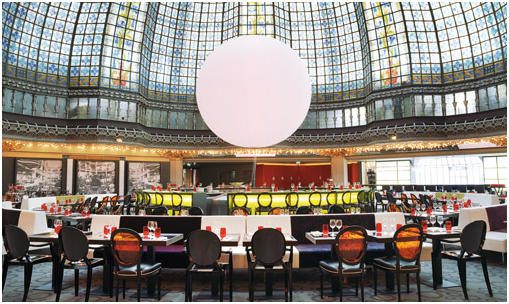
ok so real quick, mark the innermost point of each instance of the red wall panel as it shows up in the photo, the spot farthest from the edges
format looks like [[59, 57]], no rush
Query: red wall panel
[[284, 175]]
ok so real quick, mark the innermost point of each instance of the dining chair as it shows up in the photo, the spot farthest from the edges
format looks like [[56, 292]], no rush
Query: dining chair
[[407, 244], [127, 248], [334, 209], [350, 246], [275, 211], [392, 207], [404, 203], [74, 245], [379, 202], [264, 202], [266, 252], [204, 250], [239, 200], [17, 245], [239, 211], [195, 210], [471, 240], [292, 201], [304, 210], [176, 203], [315, 200]]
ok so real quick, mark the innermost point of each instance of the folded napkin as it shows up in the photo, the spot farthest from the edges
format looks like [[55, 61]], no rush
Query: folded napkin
[[316, 233]]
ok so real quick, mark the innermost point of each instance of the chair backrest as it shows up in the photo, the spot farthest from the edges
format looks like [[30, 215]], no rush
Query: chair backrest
[[204, 247], [351, 245], [407, 242], [74, 243], [331, 198], [159, 210], [176, 200], [275, 211], [304, 210], [404, 200], [393, 208], [127, 247], [472, 237], [239, 211], [268, 246], [378, 197], [315, 199], [265, 200], [16, 241], [158, 199], [114, 201], [346, 197], [292, 200], [362, 197], [414, 199], [195, 210], [239, 200], [336, 209]]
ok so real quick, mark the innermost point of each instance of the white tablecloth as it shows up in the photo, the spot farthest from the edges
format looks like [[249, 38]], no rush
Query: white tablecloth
[[6, 204], [36, 202]]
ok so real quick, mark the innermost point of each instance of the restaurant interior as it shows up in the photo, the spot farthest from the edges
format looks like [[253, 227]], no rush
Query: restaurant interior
[[246, 151]]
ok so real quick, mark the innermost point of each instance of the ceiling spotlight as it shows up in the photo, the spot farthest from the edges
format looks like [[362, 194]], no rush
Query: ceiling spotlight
[[394, 137], [119, 139]]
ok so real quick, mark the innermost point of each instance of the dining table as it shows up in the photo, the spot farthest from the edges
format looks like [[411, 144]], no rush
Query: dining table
[[51, 237], [436, 235]]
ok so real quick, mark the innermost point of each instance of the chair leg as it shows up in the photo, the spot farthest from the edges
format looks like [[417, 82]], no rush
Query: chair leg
[[89, 282], [290, 278], [28, 278], [286, 285], [60, 278], [251, 287], [362, 287], [4, 271], [117, 292], [340, 288], [408, 282], [123, 289], [190, 290], [221, 284], [159, 286], [321, 284], [486, 276], [418, 280], [374, 278], [186, 292], [76, 281], [357, 287], [230, 278], [138, 294], [399, 285], [462, 269]]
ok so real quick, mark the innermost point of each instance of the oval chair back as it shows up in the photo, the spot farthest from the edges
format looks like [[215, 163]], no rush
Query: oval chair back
[[93, 203], [74, 243], [127, 247], [335, 209], [114, 201], [315, 199], [159, 210], [146, 199], [304, 210], [176, 202], [203, 247], [292, 200], [239, 200], [390, 196], [473, 236], [264, 200], [346, 198], [268, 246], [239, 211], [16, 242], [404, 202], [195, 210], [331, 198], [351, 245], [392, 207], [275, 211], [415, 200], [407, 242], [158, 199]]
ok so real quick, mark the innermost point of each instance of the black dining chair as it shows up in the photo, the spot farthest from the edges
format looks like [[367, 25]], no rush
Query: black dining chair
[[407, 244], [127, 248], [350, 247], [195, 210], [392, 207], [405, 205], [204, 250], [176, 203], [157, 210], [240, 211], [266, 252], [292, 201], [346, 197], [471, 240], [304, 210], [264, 202], [379, 202], [335, 209], [74, 245], [17, 245]]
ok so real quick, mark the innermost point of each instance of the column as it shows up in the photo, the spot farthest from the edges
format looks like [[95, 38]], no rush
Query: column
[[176, 167], [69, 175], [121, 176], [339, 169]]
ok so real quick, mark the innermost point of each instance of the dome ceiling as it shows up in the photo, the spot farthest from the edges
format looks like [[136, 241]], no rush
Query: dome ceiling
[[157, 49]]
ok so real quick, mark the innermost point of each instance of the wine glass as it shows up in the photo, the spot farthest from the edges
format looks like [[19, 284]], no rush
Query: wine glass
[[432, 219], [141, 212], [440, 220], [339, 224], [57, 224], [151, 227], [332, 224]]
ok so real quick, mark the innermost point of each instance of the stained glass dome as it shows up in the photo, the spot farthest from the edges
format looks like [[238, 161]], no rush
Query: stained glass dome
[[157, 49]]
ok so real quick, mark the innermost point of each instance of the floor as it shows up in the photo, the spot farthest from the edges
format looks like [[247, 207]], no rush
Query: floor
[[306, 285]]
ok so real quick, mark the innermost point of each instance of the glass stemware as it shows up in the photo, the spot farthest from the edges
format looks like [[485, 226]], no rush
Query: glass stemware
[[432, 219], [339, 224], [440, 220], [332, 224]]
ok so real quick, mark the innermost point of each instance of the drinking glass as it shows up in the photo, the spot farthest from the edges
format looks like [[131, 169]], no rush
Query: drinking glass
[[433, 219], [332, 224], [440, 220], [152, 225], [325, 230], [157, 232], [106, 230], [448, 226], [141, 212], [57, 224], [222, 232], [145, 232], [339, 224]]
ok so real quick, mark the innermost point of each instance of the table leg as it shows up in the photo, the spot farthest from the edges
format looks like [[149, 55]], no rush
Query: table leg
[[151, 281], [389, 276], [107, 271], [436, 263], [56, 260]]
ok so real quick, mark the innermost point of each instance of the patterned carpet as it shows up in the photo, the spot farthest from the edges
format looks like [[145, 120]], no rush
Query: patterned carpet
[[306, 285]]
